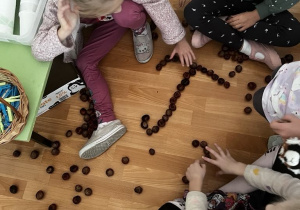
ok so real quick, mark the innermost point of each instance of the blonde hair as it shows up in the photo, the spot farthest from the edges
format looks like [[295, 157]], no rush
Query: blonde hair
[[97, 8]]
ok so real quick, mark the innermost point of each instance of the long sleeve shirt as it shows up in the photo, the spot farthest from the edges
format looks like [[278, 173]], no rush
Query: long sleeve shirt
[[282, 94], [265, 179], [268, 7]]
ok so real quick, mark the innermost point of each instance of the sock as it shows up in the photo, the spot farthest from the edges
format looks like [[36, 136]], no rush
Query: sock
[[246, 49], [140, 31]]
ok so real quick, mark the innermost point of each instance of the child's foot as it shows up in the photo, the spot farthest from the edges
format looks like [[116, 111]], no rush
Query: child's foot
[[265, 54], [104, 137], [199, 39], [143, 44]]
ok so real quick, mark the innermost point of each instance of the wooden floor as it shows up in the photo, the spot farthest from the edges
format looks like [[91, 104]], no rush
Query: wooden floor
[[205, 111]]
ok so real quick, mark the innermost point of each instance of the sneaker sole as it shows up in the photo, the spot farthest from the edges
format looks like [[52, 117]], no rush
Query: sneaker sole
[[99, 146], [145, 61]]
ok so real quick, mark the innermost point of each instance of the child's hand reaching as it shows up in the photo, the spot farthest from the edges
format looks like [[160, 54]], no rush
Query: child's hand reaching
[[67, 18], [288, 126], [243, 20], [225, 162], [185, 52], [195, 174]]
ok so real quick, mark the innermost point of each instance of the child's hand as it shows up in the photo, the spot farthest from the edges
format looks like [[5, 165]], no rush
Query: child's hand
[[288, 126], [67, 18], [185, 52], [195, 174], [225, 162], [243, 20], [182, 2]]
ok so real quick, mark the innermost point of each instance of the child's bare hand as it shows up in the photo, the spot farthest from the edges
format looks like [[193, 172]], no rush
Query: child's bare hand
[[243, 20], [288, 126], [183, 2], [195, 174], [225, 162], [67, 18], [185, 52]]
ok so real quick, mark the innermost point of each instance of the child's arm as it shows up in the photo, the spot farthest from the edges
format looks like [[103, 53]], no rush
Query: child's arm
[[54, 35], [195, 199], [288, 126], [171, 29], [269, 7], [265, 179], [245, 20], [273, 182]]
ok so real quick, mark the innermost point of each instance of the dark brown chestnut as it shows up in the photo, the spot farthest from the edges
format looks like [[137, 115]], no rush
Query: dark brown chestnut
[[76, 199], [151, 151], [69, 132], [149, 131], [34, 154], [125, 160], [109, 172], [248, 110], [138, 189], [78, 188], [195, 143], [86, 170], [40, 195], [13, 189]]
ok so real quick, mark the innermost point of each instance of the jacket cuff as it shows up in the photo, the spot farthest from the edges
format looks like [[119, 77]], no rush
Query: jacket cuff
[[196, 200], [263, 10], [176, 39]]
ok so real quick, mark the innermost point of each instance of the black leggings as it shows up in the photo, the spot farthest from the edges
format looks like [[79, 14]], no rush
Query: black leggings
[[281, 29]]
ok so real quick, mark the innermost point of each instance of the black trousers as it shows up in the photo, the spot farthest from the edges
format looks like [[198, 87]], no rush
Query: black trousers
[[280, 29]]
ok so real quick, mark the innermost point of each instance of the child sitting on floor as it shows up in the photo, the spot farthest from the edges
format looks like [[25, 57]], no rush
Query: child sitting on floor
[[283, 185], [60, 33], [252, 26]]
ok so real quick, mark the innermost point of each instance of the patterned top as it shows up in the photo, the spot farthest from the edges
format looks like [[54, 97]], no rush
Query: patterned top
[[46, 45], [282, 94], [265, 179]]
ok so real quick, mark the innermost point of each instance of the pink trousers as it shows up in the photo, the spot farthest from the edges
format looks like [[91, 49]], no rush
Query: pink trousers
[[102, 40]]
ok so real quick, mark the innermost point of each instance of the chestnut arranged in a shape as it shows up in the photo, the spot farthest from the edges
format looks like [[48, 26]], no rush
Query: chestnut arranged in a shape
[[180, 87]]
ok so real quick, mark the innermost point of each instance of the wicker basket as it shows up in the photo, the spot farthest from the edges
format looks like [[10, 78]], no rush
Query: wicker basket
[[21, 114]]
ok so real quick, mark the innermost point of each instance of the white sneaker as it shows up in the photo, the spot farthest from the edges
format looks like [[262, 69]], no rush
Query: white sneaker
[[143, 45], [104, 137]]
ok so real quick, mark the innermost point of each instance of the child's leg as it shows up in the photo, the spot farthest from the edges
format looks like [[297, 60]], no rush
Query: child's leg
[[102, 40], [240, 185], [133, 16], [203, 16], [281, 30]]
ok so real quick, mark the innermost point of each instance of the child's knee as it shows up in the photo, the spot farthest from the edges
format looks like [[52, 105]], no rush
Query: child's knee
[[295, 38], [81, 63], [191, 13], [131, 16]]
